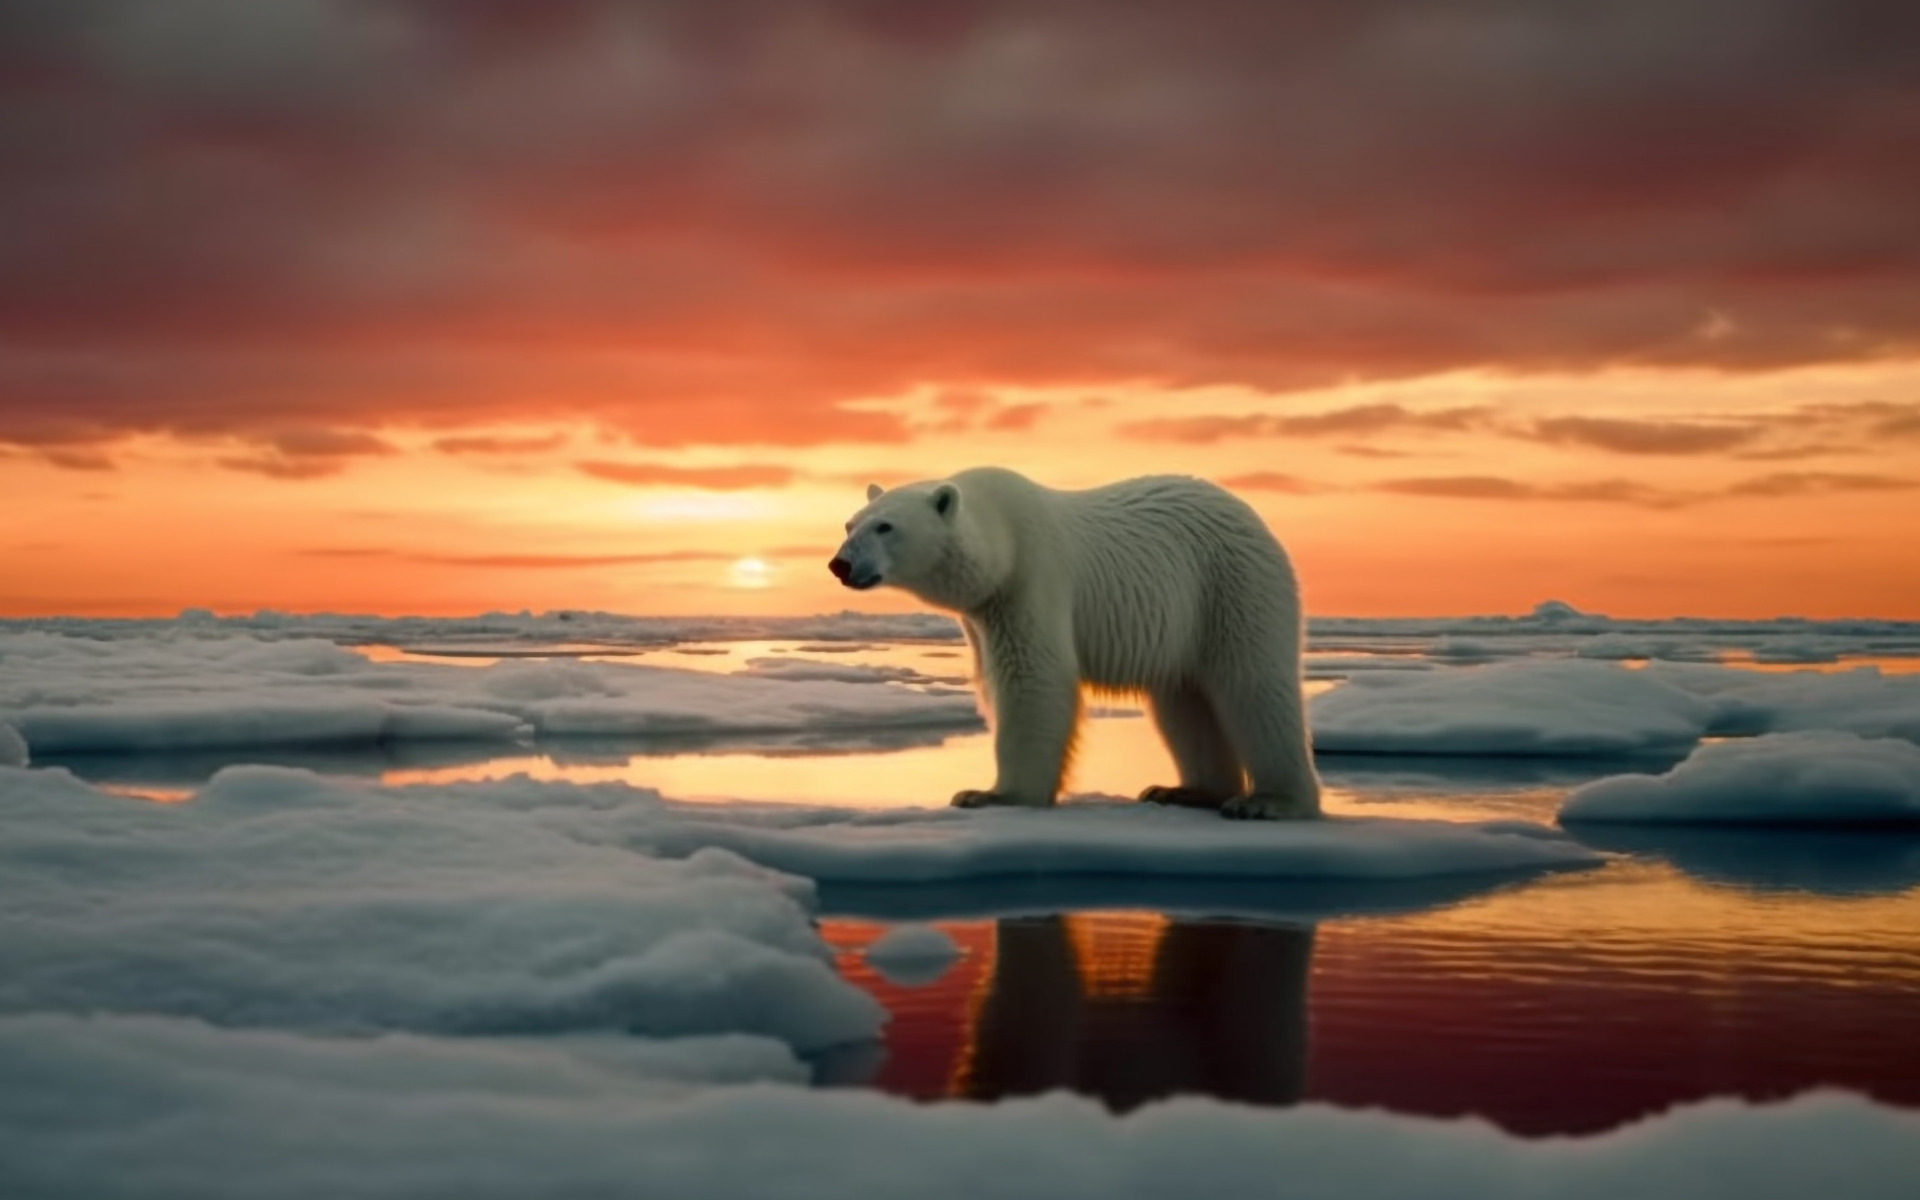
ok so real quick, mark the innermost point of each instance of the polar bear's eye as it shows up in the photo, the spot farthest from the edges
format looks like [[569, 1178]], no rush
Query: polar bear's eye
[[883, 527]]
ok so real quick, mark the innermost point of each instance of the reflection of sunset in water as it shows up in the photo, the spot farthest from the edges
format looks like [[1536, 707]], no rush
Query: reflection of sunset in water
[[1118, 757], [1573, 1004], [1117, 753], [1745, 660]]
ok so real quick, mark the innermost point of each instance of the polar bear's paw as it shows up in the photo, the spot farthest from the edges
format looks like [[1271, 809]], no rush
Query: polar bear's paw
[[1181, 797], [1264, 807], [971, 798]]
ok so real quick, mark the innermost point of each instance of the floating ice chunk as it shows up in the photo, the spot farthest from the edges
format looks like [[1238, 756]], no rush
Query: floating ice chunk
[[1592, 709], [923, 846], [1861, 701], [248, 720], [642, 700], [276, 898], [114, 1107], [13, 747], [439, 722], [1456, 649], [71, 695], [1562, 708], [1340, 666], [1798, 650], [1618, 646], [1787, 778], [198, 723], [1555, 611], [803, 670], [912, 954]]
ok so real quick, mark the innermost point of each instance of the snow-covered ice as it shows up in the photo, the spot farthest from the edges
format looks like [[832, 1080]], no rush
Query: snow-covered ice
[[13, 747], [911, 954], [1862, 700], [493, 629], [295, 986], [117, 1107], [1627, 646], [277, 898], [176, 691], [1578, 708], [1524, 708], [73, 686], [947, 845], [1552, 628], [1783, 778], [803, 670]]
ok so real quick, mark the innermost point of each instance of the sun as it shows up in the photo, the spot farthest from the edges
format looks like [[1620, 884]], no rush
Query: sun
[[750, 573]]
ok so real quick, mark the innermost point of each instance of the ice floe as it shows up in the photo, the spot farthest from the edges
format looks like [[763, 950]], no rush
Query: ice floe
[[114, 1108], [1562, 708], [911, 954], [276, 898], [1822, 778], [1101, 839], [67, 694], [1578, 708], [103, 688], [494, 629], [1552, 627], [1861, 700], [803, 670]]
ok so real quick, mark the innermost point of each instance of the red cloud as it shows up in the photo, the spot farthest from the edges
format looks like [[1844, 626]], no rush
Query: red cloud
[[718, 479], [1800, 483], [1271, 481], [1489, 487], [1366, 418], [718, 223], [499, 445], [78, 459], [1015, 417], [284, 468], [1645, 437], [520, 561], [1624, 491]]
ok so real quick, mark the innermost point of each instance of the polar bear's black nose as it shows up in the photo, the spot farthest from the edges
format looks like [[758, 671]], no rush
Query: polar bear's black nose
[[841, 568]]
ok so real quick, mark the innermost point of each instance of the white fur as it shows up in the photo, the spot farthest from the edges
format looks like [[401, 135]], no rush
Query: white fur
[[1165, 585]]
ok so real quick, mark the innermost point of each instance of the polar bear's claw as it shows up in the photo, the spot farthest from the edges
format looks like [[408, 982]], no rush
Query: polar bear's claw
[[1264, 808], [1180, 797]]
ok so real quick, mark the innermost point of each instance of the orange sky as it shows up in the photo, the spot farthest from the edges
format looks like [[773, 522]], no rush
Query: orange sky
[[1453, 494], [405, 306]]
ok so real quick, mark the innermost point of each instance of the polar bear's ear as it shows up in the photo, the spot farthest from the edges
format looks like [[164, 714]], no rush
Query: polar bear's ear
[[946, 500], [873, 492]]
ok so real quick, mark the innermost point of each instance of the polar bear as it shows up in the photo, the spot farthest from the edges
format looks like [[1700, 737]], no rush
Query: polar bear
[[1165, 585]]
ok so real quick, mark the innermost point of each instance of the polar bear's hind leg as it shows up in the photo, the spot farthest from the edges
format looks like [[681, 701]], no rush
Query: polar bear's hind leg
[[1265, 719], [1210, 770]]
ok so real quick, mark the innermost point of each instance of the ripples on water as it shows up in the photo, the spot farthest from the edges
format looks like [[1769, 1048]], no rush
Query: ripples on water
[[1568, 1005], [1697, 964]]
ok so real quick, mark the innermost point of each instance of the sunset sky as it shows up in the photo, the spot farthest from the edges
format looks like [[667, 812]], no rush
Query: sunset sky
[[440, 307]]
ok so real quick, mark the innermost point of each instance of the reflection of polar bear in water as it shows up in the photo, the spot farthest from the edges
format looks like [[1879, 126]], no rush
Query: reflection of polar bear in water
[[1166, 585]]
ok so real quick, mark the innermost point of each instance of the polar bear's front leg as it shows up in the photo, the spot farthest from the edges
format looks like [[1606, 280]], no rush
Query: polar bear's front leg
[[1036, 712]]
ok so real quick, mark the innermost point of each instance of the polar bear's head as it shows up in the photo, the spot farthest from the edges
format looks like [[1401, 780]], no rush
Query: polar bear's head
[[907, 538]]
